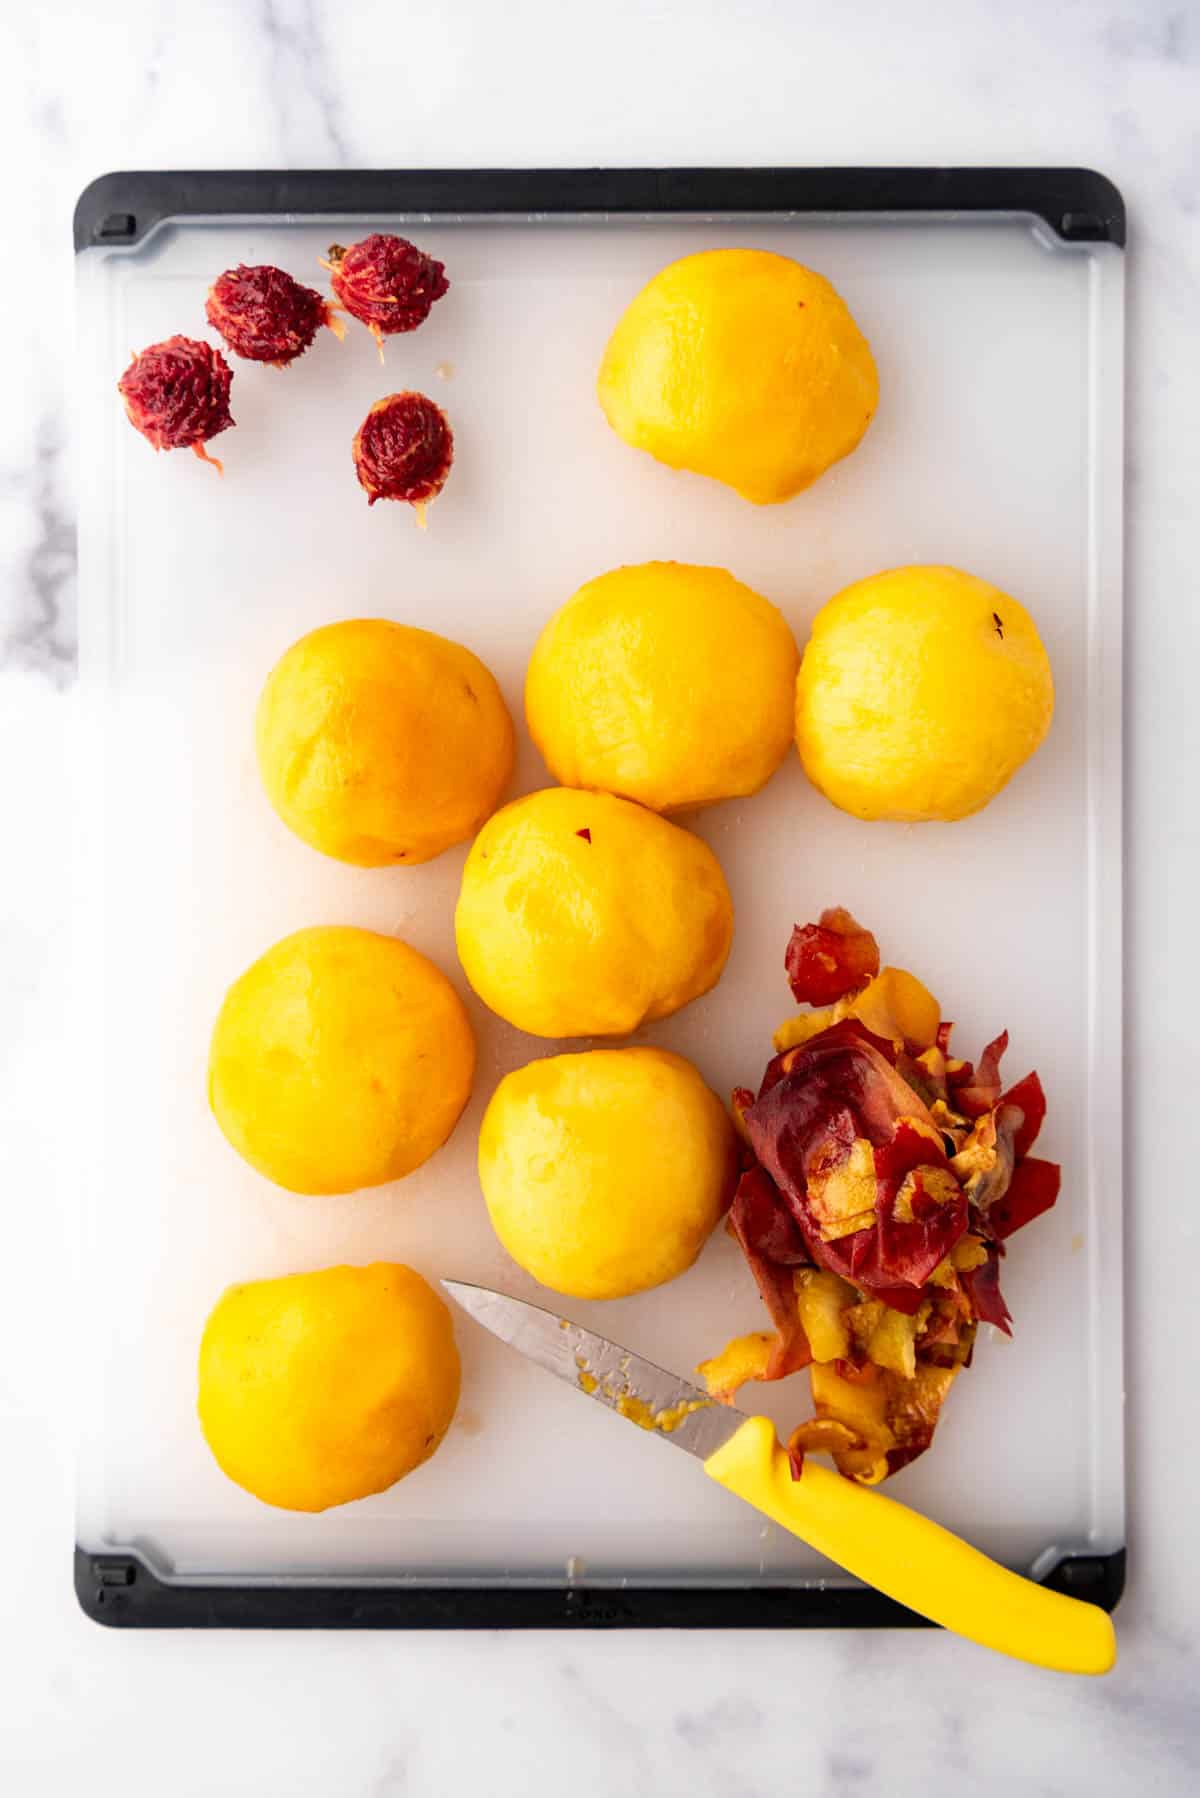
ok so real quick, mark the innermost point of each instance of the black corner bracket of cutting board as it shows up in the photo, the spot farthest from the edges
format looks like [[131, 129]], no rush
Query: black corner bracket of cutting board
[[1079, 205], [121, 1591]]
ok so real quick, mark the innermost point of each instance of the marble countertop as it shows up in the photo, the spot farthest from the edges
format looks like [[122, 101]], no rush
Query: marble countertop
[[149, 83]]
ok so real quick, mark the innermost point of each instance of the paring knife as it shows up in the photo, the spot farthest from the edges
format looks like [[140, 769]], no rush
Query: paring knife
[[879, 1541]]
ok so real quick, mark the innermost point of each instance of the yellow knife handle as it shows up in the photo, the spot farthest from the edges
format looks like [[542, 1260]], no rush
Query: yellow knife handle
[[913, 1560]]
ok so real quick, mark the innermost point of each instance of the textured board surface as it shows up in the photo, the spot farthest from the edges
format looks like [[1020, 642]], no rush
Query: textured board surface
[[996, 447]]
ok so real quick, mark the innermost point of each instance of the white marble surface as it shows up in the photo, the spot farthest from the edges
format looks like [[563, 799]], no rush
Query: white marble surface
[[146, 83]]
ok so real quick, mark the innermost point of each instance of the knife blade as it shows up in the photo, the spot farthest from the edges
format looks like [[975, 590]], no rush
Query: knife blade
[[637, 1389]]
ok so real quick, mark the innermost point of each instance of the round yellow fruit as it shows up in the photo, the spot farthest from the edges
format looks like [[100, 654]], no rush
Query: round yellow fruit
[[920, 694], [340, 1059], [321, 1388], [669, 684], [605, 1173], [380, 744], [744, 366], [584, 915]]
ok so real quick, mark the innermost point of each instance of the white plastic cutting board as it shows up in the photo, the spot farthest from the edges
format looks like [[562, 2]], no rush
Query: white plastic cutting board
[[996, 447]]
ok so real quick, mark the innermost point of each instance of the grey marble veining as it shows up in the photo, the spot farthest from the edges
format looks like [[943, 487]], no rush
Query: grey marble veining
[[307, 104], [150, 83], [41, 637]]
